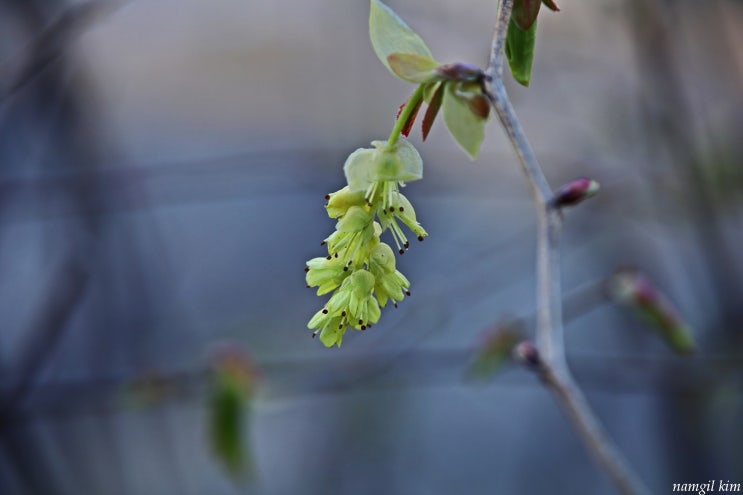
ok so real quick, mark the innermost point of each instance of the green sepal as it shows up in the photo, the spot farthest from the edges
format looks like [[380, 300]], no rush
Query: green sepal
[[520, 51]]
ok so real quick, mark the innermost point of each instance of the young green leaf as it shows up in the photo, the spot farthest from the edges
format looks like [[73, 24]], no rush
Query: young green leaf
[[466, 127], [412, 67], [391, 35], [520, 51]]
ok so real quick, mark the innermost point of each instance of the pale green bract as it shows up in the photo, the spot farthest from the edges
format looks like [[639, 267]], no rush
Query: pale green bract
[[390, 35], [405, 54], [365, 167], [466, 127]]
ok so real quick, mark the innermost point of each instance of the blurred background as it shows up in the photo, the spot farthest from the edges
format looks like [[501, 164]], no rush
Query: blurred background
[[162, 171]]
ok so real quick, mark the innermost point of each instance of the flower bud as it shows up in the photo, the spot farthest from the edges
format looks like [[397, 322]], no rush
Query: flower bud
[[460, 71], [340, 201], [526, 353], [575, 192], [525, 13]]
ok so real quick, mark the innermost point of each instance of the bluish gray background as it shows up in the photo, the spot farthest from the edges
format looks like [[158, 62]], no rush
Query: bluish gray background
[[162, 182]]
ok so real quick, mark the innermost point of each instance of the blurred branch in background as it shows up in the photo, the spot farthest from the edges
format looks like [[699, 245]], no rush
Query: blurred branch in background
[[50, 43], [700, 151]]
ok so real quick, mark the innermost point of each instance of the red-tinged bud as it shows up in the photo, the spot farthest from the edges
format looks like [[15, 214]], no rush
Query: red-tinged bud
[[494, 349], [525, 13], [460, 71], [575, 192], [527, 354], [550, 4], [479, 105], [633, 289]]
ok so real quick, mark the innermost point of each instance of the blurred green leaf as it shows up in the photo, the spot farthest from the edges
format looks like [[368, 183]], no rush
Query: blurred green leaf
[[634, 290], [495, 350], [233, 386], [412, 67], [520, 51], [466, 127], [391, 35]]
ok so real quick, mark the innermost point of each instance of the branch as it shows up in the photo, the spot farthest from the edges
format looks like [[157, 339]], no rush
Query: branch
[[552, 366]]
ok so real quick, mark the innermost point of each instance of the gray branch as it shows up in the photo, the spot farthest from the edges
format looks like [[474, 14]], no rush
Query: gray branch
[[552, 367]]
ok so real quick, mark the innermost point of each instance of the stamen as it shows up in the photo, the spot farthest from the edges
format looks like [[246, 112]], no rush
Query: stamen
[[327, 196], [420, 238], [407, 293], [324, 311]]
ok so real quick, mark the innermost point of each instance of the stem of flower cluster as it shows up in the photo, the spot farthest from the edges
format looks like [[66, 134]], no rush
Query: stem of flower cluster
[[408, 109]]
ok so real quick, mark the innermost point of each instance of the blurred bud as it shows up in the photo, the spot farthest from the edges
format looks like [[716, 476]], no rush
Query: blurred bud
[[575, 192], [525, 13], [233, 386], [550, 4], [460, 71], [527, 354], [494, 350], [633, 289]]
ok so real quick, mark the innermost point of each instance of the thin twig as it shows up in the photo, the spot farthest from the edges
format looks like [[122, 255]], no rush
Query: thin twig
[[550, 343]]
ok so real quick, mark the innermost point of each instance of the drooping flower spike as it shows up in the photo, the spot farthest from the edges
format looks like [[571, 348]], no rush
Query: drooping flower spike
[[359, 269]]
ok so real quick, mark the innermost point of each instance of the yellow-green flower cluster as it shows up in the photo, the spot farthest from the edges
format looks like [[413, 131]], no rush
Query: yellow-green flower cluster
[[359, 269]]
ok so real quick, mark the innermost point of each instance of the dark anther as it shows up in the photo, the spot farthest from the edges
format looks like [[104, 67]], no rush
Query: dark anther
[[402, 251], [336, 255], [343, 313], [327, 196], [340, 327], [345, 268], [401, 208], [306, 269], [361, 322], [420, 238], [329, 257], [407, 292], [395, 305], [363, 327], [313, 335], [322, 243], [324, 311], [308, 286], [392, 208], [407, 244]]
